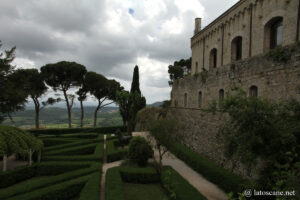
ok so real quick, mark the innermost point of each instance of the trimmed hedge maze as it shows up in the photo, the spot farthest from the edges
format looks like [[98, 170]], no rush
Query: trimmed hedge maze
[[126, 183], [71, 168]]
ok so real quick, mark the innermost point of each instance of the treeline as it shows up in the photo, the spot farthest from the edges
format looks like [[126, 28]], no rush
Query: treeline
[[19, 85]]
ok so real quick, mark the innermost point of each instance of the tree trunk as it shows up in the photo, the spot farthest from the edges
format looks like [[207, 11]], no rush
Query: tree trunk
[[30, 157], [95, 114], [68, 108], [37, 112], [82, 114], [4, 162]]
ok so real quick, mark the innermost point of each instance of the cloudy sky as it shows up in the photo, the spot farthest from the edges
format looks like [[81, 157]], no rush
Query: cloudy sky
[[107, 36]]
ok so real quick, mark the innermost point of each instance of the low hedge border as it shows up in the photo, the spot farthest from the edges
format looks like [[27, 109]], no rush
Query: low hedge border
[[113, 185], [96, 156], [55, 141], [19, 174], [172, 181], [139, 175], [73, 144], [225, 179], [91, 190], [62, 191], [77, 150], [112, 153], [34, 184], [77, 130]]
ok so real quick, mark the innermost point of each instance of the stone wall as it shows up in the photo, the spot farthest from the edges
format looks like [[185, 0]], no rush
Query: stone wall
[[247, 19]]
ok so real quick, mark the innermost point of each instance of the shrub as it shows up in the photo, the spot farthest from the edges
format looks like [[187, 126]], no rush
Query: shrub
[[12, 177], [177, 187], [42, 182], [139, 175], [113, 185], [140, 150], [77, 150], [58, 131], [112, 153], [91, 190], [223, 178], [62, 191]]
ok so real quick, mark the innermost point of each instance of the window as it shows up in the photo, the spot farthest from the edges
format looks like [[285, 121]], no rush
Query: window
[[196, 70], [185, 99], [253, 92], [273, 33], [276, 34], [236, 48], [213, 58], [199, 99], [221, 95]]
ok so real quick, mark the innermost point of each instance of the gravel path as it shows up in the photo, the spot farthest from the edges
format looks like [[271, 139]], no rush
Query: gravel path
[[206, 188], [12, 163]]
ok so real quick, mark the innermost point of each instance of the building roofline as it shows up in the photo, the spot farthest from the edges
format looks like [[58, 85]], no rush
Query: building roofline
[[220, 17]]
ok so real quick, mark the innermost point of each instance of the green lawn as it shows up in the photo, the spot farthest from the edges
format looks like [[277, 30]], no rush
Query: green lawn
[[144, 192]]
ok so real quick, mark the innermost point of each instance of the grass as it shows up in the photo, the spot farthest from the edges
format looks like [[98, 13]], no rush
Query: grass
[[144, 192]]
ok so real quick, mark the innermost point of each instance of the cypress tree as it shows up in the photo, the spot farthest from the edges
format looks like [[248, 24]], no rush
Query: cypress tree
[[135, 84]]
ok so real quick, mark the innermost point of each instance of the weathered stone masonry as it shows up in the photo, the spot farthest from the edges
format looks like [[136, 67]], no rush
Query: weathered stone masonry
[[252, 27]]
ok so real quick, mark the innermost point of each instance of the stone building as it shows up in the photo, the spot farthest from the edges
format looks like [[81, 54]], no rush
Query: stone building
[[234, 50], [249, 29]]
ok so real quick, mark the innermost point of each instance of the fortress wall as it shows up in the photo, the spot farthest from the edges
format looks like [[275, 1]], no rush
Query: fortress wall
[[237, 22]]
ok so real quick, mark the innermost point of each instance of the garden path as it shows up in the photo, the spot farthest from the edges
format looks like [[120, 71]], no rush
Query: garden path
[[206, 188], [12, 163], [105, 167]]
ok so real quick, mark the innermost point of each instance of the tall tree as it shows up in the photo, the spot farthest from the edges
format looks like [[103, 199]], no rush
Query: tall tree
[[135, 84], [102, 89], [12, 95], [135, 102], [63, 76], [82, 95], [35, 87], [178, 69], [124, 106]]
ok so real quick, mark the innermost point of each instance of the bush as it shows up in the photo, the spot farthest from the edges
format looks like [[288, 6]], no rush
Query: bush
[[140, 150], [226, 180], [42, 182], [112, 153], [62, 191], [12, 177], [139, 175], [91, 190], [178, 186], [77, 150], [58, 131], [113, 185]]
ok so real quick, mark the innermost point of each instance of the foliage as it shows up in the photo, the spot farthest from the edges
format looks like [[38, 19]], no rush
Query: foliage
[[178, 69], [63, 76], [165, 132], [113, 185], [112, 152], [166, 104], [78, 150], [102, 89], [223, 178], [91, 190], [34, 184], [135, 84], [263, 129], [280, 54], [124, 106], [12, 95], [15, 140], [140, 150], [139, 175], [177, 187]]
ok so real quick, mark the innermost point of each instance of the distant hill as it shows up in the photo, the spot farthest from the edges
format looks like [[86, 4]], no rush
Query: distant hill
[[57, 117], [156, 104]]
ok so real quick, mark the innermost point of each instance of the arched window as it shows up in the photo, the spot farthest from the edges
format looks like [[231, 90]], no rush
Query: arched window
[[273, 33], [236, 48], [213, 58], [199, 99], [221, 95], [253, 91], [185, 99], [196, 69]]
